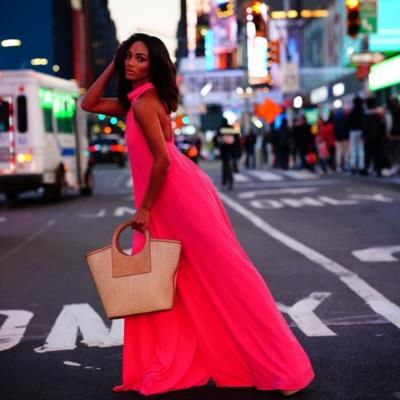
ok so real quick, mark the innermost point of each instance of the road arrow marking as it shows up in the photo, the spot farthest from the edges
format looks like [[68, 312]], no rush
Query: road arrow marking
[[303, 315], [374, 299], [377, 254]]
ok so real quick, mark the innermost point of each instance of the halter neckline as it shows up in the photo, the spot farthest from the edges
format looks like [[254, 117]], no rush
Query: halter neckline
[[135, 93]]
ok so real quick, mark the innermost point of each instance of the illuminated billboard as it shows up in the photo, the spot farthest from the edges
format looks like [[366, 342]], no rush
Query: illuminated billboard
[[385, 73], [388, 36], [257, 57]]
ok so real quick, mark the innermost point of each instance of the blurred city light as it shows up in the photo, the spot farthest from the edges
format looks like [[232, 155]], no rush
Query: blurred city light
[[39, 61], [298, 102], [11, 43], [206, 89]]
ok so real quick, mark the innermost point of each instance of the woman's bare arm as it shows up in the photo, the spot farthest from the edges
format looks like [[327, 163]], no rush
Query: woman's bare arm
[[95, 103]]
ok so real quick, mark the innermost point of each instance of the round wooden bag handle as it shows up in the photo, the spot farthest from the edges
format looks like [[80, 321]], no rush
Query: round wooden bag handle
[[124, 264]]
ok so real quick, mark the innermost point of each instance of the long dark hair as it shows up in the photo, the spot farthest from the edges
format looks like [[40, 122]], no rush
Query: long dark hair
[[162, 70]]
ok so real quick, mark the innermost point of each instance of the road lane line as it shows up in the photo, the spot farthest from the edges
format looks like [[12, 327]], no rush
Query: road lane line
[[379, 303], [32, 237]]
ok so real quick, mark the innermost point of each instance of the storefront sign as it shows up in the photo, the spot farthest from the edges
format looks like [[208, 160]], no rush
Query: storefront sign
[[384, 74]]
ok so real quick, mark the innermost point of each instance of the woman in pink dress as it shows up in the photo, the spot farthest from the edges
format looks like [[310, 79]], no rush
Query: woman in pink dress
[[225, 324]]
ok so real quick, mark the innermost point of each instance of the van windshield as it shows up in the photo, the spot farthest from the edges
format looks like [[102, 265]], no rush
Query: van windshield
[[4, 116]]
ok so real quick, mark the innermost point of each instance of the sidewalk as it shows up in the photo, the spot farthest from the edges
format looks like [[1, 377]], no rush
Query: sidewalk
[[391, 182]]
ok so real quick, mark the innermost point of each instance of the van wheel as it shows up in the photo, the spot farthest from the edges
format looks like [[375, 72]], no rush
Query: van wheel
[[87, 190], [58, 191]]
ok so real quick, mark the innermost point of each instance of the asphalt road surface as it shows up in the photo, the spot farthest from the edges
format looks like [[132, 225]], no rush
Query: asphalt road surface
[[328, 247]]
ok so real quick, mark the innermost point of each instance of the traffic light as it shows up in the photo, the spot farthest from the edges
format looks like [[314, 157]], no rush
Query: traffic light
[[274, 51], [353, 17]]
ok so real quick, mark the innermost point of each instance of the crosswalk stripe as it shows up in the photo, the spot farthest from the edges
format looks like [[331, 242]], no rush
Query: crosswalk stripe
[[300, 175], [265, 176], [241, 178]]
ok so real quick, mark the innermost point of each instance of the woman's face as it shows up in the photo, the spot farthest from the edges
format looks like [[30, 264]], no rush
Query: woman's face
[[137, 62]]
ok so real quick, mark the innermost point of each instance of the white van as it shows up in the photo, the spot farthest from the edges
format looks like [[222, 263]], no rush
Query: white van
[[43, 136]]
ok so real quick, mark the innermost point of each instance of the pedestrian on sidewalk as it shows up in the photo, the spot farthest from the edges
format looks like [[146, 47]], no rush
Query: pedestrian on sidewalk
[[284, 145], [341, 125], [327, 135], [249, 147], [373, 135], [228, 141], [225, 324], [393, 134], [356, 122]]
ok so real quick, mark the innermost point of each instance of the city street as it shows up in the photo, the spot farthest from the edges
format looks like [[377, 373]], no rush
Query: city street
[[328, 246]]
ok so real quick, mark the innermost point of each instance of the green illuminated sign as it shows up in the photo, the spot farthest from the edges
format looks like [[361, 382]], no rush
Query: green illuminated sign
[[368, 15], [385, 73]]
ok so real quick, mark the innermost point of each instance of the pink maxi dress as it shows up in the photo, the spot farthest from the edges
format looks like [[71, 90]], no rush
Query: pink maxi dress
[[225, 324]]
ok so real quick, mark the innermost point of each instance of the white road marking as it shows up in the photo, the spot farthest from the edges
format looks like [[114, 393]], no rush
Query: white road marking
[[75, 318], [100, 214], [13, 328], [302, 313], [300, 175], [240, 178], [72, 364], [122, 211], [377, 254], [304, 201], [3, 219], [336, 202], [265, 176], [270, 192], [374, 299], [373, 197], [287, 183]]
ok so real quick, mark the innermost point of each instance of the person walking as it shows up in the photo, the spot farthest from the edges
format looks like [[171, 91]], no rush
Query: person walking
[[249, 146], [328, 136], [303, 141], [356, 120], [341, 125], [373, 135], [284, 144], [228, 140], [392, 118], [225, 324]]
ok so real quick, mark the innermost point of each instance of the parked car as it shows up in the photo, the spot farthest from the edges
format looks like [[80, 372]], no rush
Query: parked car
[[108, 149], [189, 146]]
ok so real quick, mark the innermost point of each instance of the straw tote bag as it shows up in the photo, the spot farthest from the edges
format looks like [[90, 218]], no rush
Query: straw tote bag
[[142, 283]]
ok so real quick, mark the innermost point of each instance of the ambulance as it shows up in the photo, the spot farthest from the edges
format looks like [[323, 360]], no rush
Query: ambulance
[[43, 136]]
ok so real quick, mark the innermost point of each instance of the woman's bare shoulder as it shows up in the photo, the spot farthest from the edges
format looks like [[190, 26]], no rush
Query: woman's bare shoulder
[[148, 103]]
